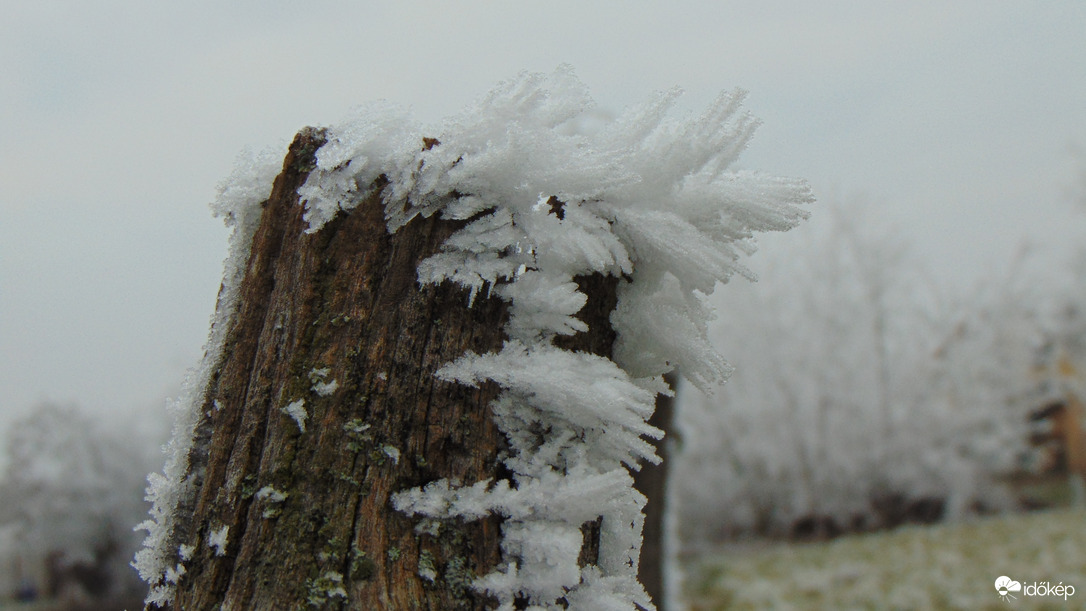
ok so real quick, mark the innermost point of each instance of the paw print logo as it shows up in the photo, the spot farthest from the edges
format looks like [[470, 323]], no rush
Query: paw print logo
[[1005, 585]]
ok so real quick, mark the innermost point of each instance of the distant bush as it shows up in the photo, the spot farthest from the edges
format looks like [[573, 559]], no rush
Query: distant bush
[[861, 398], [73, 490]]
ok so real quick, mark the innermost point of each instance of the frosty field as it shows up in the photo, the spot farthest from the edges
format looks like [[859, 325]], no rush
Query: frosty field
[[951, 566]]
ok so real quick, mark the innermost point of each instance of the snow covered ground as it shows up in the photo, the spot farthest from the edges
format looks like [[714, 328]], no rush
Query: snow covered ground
[[953, 566]]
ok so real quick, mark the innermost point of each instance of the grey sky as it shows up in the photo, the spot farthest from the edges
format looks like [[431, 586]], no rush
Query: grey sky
[[959, 120]]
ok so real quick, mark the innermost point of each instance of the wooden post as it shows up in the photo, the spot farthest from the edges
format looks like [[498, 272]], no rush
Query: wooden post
[[325, 403], [651, 481]]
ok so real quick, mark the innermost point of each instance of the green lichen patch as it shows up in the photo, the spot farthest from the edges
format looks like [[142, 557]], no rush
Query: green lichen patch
[[324, 588], [248, 486], [359, 435], [458, 576], [272, 500], [427, 569]]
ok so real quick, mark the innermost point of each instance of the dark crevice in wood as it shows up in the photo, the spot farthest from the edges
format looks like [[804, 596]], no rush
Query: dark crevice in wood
[[556, 207], [590, 548], [602, 292]]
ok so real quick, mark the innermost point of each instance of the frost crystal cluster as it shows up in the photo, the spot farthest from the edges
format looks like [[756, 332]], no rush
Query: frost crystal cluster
[[647, 198]]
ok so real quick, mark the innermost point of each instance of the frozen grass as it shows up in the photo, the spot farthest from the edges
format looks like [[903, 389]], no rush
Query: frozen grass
[[938, 567]]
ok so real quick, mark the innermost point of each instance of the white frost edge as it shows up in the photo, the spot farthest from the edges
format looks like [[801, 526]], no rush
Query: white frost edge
[[239, 204]]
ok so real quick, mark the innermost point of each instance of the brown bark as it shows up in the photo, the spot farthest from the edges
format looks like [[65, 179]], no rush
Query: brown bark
[[651, 481], [346, 299]]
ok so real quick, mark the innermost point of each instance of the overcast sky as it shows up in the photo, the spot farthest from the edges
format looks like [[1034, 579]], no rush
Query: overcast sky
[[959, 121]]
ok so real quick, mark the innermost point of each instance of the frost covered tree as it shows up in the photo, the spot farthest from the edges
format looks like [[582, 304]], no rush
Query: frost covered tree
[[71, 492], [861, 397], [436, 349]]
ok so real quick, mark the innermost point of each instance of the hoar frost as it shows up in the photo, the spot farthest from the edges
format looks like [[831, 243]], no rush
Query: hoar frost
[[320, 384], [647, 198], [239, 204], [218, 539], [296, 410]]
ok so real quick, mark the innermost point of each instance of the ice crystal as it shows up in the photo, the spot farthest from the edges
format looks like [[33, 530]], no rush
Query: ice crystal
[[218, 539], [296, 410]]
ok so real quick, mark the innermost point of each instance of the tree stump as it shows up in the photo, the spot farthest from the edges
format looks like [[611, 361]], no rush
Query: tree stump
[[325, 403]]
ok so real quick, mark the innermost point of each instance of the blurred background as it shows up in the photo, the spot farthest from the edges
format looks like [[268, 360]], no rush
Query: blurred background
[[913, 355]]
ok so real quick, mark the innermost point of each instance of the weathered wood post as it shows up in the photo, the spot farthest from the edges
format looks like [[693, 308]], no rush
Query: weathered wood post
[[294, 501]]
